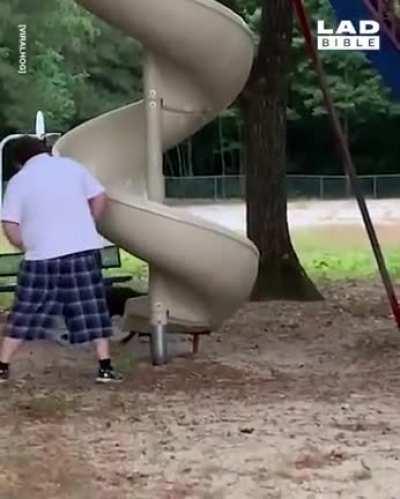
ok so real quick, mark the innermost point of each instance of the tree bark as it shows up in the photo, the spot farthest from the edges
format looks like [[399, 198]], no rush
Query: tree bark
[[264, 103]]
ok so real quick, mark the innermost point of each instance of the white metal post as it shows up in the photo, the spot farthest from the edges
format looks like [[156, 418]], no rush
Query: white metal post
[[3, 144], [40, 127], [40, 130]]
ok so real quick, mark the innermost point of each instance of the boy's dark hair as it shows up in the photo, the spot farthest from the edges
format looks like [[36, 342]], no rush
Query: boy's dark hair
[[26, 147]]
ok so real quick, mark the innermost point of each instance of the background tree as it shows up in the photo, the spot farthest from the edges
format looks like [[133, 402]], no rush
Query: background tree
[[79, 67], [368, 112], [264, 104]]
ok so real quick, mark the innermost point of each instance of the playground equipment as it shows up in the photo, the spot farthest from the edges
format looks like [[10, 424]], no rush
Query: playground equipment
[[198, 60]]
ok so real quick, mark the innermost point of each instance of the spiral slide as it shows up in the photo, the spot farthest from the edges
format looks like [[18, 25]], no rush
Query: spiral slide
[[199, 58]]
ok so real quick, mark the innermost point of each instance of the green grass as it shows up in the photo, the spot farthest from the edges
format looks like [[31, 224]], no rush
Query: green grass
[[344, 252], [348, 265], [6, 300], [333, 253]]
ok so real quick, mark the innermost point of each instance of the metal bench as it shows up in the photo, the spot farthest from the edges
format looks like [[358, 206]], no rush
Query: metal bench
[[10, 262]]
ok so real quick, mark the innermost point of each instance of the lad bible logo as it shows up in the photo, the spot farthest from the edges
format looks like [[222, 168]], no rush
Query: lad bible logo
[[349, 36]]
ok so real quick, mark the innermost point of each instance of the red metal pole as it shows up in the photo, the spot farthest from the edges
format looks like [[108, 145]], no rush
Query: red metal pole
[[347, 158]]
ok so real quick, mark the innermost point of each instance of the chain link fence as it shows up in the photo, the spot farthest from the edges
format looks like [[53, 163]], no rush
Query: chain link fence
[[298, 187]]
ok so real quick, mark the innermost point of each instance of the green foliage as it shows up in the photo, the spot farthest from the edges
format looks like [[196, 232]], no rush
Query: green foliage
[[357, 90], [342, 258], [366, 108], [364, 104], [78, 67]]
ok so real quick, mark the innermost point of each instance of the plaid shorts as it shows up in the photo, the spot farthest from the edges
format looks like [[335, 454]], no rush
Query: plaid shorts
[[71, 286]]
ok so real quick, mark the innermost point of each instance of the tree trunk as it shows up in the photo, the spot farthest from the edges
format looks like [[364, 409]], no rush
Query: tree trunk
[[264, 104]]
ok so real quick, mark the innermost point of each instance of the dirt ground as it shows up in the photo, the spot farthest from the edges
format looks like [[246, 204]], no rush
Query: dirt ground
[[285, 401]]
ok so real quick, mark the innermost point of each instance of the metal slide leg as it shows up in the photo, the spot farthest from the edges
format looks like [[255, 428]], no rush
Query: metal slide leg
[[158, 340], [156, 192], [154, 150]]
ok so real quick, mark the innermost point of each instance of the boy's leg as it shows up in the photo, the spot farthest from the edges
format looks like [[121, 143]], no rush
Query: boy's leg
[[106, 372], [102, 348], [8, 349], [86, 313], [32, 309]]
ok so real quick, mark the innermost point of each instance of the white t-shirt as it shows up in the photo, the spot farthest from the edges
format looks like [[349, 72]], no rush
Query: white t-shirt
[[49, 199]]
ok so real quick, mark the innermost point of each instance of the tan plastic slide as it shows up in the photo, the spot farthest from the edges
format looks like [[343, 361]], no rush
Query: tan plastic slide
[[199, 58]]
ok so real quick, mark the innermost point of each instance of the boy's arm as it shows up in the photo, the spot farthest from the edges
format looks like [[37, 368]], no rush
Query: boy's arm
[[95, 194], [98, 205], [11, 215], [12, 231]]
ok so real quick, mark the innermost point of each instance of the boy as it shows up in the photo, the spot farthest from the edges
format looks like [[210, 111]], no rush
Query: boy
[[50, 211]]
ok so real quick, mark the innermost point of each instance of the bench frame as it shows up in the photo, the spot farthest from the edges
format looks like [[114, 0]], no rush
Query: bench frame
[[112, 263], [196, 337]]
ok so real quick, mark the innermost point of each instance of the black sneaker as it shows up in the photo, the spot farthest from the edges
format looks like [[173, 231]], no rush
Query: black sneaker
[[4, 375], [108, 376]]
